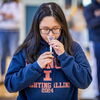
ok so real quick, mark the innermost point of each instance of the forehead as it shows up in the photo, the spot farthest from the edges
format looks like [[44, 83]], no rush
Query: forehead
[[49, 21]]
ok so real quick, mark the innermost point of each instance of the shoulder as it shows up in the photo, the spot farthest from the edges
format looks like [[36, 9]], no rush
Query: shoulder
[[75, 45], [89, 7], [76, 48], [21, 53]]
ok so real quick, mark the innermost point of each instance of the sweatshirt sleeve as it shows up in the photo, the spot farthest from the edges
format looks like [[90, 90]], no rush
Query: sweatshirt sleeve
[[76, 68], [91, 19], [20, 75]]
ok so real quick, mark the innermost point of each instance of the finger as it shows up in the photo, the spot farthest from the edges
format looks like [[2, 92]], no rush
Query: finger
[[55, 47], [48, 61], [48, 56], [55, 42], [52, 42], [47, 53]]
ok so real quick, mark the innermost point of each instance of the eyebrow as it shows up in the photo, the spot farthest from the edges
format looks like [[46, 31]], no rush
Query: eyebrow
[[52, 27]]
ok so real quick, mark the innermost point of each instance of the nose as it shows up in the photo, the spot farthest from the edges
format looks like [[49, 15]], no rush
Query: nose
[[51, 33]]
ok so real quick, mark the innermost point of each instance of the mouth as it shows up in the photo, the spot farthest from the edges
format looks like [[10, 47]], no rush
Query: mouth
[[50, 38]]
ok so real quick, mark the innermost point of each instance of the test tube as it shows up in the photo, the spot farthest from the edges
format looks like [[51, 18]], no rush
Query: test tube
[[50, 38]]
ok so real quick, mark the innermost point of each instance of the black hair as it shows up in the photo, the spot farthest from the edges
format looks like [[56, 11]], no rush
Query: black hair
[[32, 41]]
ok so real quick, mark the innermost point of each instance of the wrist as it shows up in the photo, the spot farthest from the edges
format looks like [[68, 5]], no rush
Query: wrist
[[61, 53]]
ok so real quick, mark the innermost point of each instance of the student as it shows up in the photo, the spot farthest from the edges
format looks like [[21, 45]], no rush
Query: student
[[53, 68]]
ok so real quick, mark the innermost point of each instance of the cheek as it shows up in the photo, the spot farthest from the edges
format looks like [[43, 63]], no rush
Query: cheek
[[57, 36], [44, 37]]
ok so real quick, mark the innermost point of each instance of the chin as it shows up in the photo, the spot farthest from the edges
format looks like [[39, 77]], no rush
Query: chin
[[47, 41]]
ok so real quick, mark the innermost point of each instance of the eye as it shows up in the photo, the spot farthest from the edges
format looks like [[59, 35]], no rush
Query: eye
[[44, 30], [57, 29]]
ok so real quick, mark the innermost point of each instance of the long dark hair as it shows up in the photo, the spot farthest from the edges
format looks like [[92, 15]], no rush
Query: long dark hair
[[32, 41]]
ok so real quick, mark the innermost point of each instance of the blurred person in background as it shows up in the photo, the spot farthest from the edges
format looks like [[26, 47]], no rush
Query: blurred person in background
[[78, 29], [76, 35], [9, 31], [92, 16], [49, 65]]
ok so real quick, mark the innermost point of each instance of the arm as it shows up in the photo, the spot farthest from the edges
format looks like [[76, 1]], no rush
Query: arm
[[15, 11], [4, 12], [91, 19], [20, 75], [76, 68], [1, 14]]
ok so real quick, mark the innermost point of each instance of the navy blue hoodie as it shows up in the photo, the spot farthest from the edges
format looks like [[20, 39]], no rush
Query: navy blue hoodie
[[93, 22], [58, 81]]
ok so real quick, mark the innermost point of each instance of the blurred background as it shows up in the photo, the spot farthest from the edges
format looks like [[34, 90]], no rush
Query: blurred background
[[23, 12]]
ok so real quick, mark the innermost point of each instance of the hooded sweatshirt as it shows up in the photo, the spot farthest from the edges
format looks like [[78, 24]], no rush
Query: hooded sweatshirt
[[93, 21], [58, 81]]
